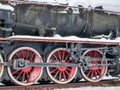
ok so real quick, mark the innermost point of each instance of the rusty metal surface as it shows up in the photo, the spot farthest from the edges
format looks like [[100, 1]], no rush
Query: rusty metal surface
[[63, 40], [47, 39]]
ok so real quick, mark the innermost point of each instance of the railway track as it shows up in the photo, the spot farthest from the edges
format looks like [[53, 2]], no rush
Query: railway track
[[104, 83]]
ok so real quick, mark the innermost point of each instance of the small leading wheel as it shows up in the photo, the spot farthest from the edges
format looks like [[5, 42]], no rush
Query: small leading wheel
[[61, 74], [96, 72], [30, 74], [1, 66]]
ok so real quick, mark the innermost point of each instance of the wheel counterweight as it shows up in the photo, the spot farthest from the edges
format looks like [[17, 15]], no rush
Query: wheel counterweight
[[29, 75], [96, 72], [61, 74]]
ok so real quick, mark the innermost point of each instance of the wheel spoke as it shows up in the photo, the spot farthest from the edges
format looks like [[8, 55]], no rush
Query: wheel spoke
[[85, 70], [27, 54], [67, 73], [68, 68], [55, 57], [88, 74], [96, 74], [90, 54], [18, 56], [19, 75], [1, 66], [61, 74], [23, 77], [66, 58], [56, 74], [32, 57], [64, 76], [23, 56], [93, 73], [28, 75], [53, 70], [15, 71], [63, 54], [95, 54], [59, 55], [70, 61]]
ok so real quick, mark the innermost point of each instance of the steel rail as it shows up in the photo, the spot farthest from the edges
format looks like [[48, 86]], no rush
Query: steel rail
[[104, 83]]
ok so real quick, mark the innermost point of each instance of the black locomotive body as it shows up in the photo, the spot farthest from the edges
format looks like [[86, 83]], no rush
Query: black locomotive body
[[65, 21], [6, 23], [26, 56]]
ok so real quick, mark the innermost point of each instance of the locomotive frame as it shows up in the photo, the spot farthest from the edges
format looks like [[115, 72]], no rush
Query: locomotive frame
[[25, 59]]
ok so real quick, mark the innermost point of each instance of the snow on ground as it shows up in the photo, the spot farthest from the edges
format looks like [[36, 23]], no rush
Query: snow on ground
[[113, 5], [7, 7], [92, 88]]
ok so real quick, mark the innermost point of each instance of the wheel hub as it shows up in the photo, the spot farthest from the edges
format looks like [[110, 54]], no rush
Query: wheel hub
[[94, 67], [19, 63], [61, 68], [26, 69]]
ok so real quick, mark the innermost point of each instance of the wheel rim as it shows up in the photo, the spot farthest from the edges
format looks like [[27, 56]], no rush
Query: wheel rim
[[94, 73], [61, 74], [29, 75], [1, 66]]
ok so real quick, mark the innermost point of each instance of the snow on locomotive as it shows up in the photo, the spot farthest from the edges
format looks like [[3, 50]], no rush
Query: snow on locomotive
[[31, 51]]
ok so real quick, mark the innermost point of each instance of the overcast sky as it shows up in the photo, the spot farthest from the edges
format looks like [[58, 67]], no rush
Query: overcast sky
[[91, 2]]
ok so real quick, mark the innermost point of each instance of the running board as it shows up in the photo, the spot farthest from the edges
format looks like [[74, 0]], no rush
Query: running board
[[59, 39]]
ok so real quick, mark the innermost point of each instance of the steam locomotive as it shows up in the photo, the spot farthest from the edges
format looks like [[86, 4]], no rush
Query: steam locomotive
[[26, 56]]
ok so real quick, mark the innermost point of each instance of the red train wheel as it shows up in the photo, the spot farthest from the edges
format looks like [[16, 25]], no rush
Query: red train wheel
[[94, 73], [61, 74], [1, 66], [29, 75]]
